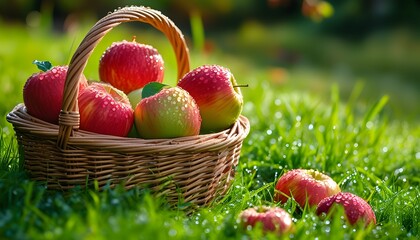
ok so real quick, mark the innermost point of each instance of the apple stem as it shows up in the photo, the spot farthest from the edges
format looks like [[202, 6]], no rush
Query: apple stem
[[134, 38], [241, 85], [261, 209], [43, 65]]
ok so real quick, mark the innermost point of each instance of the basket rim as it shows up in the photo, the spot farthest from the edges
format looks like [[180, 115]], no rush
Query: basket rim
[[24, 122]]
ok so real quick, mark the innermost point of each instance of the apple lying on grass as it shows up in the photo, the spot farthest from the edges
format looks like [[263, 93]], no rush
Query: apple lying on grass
[[271, 219], [356, 209], [166, 112], [130, 65], [104, 109], [217, 95], [306, 186], [43, 91]]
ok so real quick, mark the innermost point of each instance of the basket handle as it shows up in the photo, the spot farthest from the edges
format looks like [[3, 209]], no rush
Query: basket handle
[[69, 118]]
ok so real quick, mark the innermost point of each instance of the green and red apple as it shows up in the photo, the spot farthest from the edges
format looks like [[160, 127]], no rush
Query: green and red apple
[[43, 91], [216, 93], [166, 112], [135, 97]]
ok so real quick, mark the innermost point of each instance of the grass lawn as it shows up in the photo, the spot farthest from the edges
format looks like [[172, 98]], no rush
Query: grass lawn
[[361, 141]]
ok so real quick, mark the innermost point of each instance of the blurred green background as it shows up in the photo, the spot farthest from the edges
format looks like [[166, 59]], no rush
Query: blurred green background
[[305, 45]]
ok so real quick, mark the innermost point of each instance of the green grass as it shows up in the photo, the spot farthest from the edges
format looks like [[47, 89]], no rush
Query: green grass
[[354, 139]]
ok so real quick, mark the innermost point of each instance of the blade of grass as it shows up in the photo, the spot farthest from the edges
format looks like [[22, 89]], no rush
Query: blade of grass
[[375, 109]]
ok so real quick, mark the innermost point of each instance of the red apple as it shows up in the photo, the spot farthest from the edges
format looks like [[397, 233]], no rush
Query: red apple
[[166, 112], [130, 65], [356, 208], [305, 186], [43, 91], [104, 109], [272, 219], [219, 98]]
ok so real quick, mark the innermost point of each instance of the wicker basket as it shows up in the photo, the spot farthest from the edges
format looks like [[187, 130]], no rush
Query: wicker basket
[[195, 169]]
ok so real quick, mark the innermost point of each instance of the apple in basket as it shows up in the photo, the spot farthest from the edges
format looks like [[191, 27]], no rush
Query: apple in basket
[[305, 186], [43, 91], [134, 97], [218, 96], [104, 109], [166, 112], [130, 65], [271, 219]]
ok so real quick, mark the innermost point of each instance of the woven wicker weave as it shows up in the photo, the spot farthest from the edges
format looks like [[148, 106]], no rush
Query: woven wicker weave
[[195, 169]]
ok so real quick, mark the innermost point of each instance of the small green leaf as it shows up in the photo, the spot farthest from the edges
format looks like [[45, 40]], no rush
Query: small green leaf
[[43, 65], [152, 88]]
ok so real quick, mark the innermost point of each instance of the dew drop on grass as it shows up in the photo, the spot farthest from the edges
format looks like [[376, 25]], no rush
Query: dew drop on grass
[[327, 229], [115, 201], [369, 125], [398, 171], [172, 232]]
